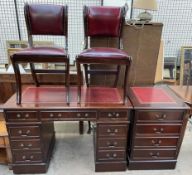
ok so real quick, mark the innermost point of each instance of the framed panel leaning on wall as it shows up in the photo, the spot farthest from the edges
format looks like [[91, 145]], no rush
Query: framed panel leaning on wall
[[186, 65]]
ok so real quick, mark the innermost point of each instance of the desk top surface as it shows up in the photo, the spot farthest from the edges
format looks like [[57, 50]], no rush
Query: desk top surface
[[157, 97], [54, 97]]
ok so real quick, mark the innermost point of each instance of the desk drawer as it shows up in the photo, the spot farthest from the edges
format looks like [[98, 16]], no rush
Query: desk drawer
[[159, 116], [158, 129], [114, 115], [27, 157], [154, 154], [110, 155], [107, 143], [2, 142], [24, 132], [26, 144], [52, 115], [156, 142], [112, 130], [14, 116]]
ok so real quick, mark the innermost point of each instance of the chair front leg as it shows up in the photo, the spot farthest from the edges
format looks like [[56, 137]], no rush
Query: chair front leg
[[79, 80], [125, 83], [18, 81], [32, 67]]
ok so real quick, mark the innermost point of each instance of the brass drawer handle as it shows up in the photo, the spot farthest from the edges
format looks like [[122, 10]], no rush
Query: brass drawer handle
[[30, 145], [156, 143], [59, 115], [78, 115], [86, 114], [51, 115], [26, 134], [31, 157], [18, 115], [158, 131], [26, 115], [111, 145], [23, 157], [114, 155], [117, 115], [109, 115], [22, 145], [162, 117], [154, 155]]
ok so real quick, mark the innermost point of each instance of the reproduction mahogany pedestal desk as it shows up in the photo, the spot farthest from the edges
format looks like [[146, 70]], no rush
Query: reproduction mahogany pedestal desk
[[157, 128], [148, 130], [31, 130]]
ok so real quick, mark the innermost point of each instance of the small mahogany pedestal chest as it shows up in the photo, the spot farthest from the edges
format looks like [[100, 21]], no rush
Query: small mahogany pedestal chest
[[157, 129]]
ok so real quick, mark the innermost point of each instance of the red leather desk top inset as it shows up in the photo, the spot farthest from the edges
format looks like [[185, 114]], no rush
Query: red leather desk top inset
[[146, 95], [58, 95]]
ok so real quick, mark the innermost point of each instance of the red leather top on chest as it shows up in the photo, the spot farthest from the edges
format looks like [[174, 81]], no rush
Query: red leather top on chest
[[103, 21], [45, 19]]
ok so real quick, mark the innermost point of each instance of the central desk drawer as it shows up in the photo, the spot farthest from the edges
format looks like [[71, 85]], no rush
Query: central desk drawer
[[24, 132], [27, 157], [14, 116], [107, 143], [114, 115], [32, 144], [111, 155], [112, 130], [51, 115], [154, 154], [158, 129]]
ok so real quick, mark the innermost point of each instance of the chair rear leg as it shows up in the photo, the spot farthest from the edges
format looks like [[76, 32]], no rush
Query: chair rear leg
[[125, 83], [81, 127], [67, 82], [117, 76], [34, 74], [18, 81], [86, 74]]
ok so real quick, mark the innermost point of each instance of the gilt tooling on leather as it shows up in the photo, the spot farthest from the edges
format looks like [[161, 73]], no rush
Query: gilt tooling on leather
[[103, 52], [45, 19], [103, 21]]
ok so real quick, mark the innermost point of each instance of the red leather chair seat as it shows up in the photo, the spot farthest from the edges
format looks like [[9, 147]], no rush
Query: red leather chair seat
[[41, 51], [103, 52]]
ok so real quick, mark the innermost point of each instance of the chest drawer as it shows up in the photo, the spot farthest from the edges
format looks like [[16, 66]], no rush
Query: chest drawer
[[156, 142], [27, 157], [114, 115], [154, 154], [107, 143], [159, 116], [32, 144], [14, 116], [24, 132], [112, 130], [158, 129], [2, 142], [79, 115], [111, 155]]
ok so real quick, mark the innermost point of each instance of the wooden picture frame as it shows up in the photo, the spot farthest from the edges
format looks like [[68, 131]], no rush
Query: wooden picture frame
[[186, 65]]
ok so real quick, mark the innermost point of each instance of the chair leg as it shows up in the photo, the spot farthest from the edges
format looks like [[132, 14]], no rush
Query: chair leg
[[86, 75], [81, 127], [117, 76], [67, 81], [34, 74], [18, 81], [79, 81], [125, 84], [89, 128]]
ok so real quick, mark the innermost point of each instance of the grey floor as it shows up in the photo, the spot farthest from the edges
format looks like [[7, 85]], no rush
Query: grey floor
[[73, 155]]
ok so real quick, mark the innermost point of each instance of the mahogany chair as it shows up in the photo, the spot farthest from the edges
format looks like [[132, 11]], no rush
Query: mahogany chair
[[105, 22], [43, 19]]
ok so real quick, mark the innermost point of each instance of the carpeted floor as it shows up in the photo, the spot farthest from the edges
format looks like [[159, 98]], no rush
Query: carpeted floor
[[73, 155]]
